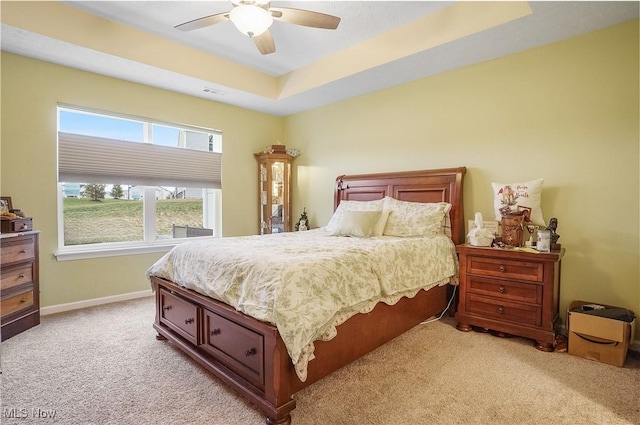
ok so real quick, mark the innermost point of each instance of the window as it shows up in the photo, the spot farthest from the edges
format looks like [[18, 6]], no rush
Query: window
[[132, 185]]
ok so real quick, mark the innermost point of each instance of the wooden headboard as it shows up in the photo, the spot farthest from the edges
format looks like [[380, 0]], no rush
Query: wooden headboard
[[443, 185]]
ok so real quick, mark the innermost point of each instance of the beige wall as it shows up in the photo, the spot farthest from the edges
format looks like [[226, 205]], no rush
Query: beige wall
[[30, 91], [567, 112]]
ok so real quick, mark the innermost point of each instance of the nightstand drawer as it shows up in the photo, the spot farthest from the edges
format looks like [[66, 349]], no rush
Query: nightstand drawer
[[507, 269], [506, 311], [505, 290]]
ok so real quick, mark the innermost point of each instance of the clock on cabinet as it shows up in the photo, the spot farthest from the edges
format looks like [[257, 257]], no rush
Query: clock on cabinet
[[274, 190]]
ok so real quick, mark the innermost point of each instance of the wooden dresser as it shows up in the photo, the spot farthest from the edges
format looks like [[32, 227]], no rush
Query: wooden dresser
[[510, 291], [19, 288]]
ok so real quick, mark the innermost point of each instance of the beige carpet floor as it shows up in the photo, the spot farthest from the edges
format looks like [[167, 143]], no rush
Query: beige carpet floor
[[103, 365]]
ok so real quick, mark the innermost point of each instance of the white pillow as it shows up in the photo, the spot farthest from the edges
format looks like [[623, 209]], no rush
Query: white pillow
[[352, 206], [356, 223], [415, 218], [526, 194]]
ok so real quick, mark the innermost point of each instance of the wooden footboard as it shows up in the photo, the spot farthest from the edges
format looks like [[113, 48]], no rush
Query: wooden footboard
[[250, 356]]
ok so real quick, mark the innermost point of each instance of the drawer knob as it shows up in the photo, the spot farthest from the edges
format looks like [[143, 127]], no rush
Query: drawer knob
[[166, 307], [500, 310], [189, 321], [21, 276], [22, 251], [216, 331], [501, 289], [502, 267], [251, 352], [23, 300]]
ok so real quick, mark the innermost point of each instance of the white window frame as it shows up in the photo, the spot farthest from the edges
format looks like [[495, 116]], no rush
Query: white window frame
[[150, 242]]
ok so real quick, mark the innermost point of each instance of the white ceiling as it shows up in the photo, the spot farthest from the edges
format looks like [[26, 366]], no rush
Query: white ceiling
[[299, 48]]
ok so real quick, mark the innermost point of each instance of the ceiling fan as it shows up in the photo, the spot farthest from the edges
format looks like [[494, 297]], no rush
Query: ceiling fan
[[254, 17]]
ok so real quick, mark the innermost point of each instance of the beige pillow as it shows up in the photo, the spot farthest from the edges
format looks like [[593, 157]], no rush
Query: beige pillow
[[352, 206], [356, 223], [415, 218], [378, 228]]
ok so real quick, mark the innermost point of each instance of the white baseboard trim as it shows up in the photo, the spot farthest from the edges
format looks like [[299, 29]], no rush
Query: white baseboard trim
[[59, 308]]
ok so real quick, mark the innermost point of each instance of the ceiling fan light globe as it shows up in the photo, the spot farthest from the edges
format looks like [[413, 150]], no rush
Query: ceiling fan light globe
[[261, 3], [250, 20]]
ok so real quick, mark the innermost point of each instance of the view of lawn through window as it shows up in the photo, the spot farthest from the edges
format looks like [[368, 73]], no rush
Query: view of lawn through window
[[121, 220]]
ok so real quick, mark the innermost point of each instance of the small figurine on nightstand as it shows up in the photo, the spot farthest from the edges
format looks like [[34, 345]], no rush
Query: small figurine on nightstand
[[303, 221], [553, 226]]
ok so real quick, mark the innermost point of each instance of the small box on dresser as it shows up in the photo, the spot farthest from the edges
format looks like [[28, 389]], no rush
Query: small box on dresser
[[13, 225], [510, 291], [19, 283]]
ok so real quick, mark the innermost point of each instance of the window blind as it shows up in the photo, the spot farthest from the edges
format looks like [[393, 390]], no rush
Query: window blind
[[88, 159]]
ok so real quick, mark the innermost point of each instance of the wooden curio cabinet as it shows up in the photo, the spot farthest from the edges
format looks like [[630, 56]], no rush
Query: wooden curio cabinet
[[274, 192]]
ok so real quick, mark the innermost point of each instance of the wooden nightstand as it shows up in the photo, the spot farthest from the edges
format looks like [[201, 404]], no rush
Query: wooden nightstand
[[510, 291]]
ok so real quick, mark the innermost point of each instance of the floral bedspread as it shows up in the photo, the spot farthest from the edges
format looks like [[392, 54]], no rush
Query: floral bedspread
[[307, 283]]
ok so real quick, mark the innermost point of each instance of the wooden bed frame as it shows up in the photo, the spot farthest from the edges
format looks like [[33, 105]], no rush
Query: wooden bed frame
[[250, 356]]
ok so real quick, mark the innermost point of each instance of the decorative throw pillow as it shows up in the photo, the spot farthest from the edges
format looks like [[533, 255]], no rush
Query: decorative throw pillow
[[352, 206], [415, 218], [356, 223], [525, 194]]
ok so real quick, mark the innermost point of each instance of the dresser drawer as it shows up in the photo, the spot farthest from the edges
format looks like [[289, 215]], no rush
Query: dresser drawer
[[180, 315], [503, 310], [18, 250], [507, 269], [17, 302], [505, 289], [236, 346], [16, 275]]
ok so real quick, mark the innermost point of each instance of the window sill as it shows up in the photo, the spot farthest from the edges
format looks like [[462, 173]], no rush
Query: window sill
[[85, 253]]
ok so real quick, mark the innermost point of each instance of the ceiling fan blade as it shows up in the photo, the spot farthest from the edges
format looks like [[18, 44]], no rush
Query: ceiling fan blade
[[203, 22], [306, 18], [264, 43]]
